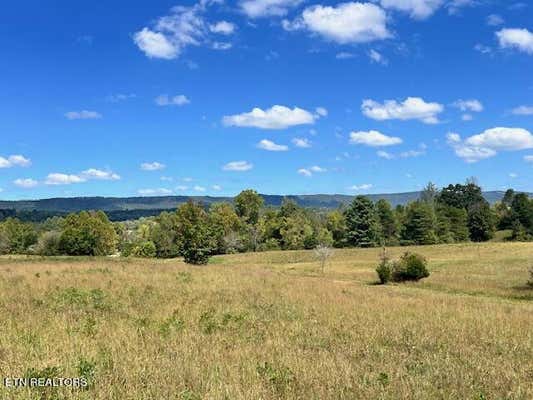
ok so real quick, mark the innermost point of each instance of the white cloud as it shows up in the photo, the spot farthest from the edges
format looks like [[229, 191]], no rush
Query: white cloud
[[483, 49], [385, 154], [222, 27], [506, 139], [520, 39], [494, 20], [373, 138], [152, 166], [182, 188], [364, 186], [267, 8], [155, 45], [84, 114], [417, 9], [165, 100], [26, 183], [199, 188], [321, 111], [412, 153], [15, 160], [346, 23], [166, 178], [182, 27], [467, 117], [410, 108], [216, 187], [528, 159], [488, 143], [523, 110], [63, 179], [308, 172], [239, 166], [155, 192], [454, 6], [222, 45], [305, 172], [377, 57], [344, 55], [302, 143], [269, 145], [93, 173], [276, 117], [513, 175], [471, 105]]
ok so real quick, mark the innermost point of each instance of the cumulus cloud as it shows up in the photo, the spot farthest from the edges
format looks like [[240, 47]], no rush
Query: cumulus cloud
[[152, 166], [222, 27], [182, 27], [63, 179], [84, 114], [488, 143], [165, 100], [302, 143], [519, 39], [321, 112], [117, 98], [309, 171], [373, 139], [15, 160], [345, 23], [198, 188], [305, 172], [267, 8], [411, 108], [155, 192], [528, 159], [269, 145], [216, 187], [494, 20], [27, 183], [239, 166], [471, 105], [222, 45], [276, 117], [523, 110], [417, 9], [98, 174], [364, 186]]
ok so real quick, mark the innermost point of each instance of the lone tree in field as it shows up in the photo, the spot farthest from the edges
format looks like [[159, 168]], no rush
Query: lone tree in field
[[323, 253]]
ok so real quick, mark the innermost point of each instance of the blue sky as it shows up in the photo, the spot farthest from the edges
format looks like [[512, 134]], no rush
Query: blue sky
[[284, 96]]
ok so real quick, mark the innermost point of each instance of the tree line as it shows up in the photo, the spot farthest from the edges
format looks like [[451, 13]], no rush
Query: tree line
[[456, 213]]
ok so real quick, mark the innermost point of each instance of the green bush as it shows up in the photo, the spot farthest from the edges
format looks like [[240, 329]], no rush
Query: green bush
[[48, 244], [384, 271], [194, 255], [410, 267], [145, 249]]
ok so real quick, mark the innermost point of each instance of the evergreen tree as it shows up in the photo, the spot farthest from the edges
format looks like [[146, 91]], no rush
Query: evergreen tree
[[480, 222], [420, 224], [387, 222], [362, 227]]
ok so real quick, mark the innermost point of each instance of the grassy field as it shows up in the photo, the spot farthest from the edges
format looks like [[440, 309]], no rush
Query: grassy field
[[270, 326]]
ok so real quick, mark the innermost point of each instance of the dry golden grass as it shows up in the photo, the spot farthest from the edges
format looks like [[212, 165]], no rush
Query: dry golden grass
[[270, 326]]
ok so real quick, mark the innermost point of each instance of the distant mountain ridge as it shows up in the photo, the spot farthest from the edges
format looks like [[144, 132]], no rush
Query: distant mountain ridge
[[124, 204]]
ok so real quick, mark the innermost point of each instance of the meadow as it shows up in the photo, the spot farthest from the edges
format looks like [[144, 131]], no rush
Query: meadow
[[272, 326]]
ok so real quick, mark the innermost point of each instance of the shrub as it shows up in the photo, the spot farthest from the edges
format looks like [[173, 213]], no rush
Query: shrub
[[196, 256], [48, 244], [145, 249], [384, 269], [410, 267], [530, 282]]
